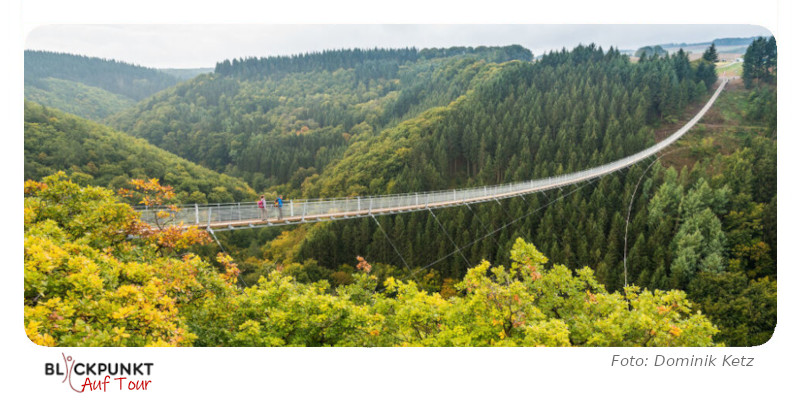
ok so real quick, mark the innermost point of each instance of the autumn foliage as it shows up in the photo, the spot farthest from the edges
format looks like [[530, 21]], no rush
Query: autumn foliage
[[95, 275], [165, 236], [90, 282]]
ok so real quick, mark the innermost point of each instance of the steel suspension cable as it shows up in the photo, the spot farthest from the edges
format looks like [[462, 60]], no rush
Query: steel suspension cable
[[628, 218], [391, 243], [527, 236], [451, 239], [486, 227], [584, 183]]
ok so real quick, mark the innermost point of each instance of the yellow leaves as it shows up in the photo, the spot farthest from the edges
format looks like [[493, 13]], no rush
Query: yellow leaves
[[675, 331], [162, 343], [152, 193], [32, 328], [119, 334], [79, 293], [525, 255], [127, 291], [250, 328], [84, 278], [224, 259], [42, 254], [89, 214], [231, 269], [390, 283], [33, 187], [42, 339], [177, 237], [86, 286], [161, 214], [123, 192], [632, 292], [475, 278], [30, 211], [123, 312]]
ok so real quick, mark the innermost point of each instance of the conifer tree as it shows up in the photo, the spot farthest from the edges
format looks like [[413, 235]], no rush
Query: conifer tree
[[711, 54], [760, 61]]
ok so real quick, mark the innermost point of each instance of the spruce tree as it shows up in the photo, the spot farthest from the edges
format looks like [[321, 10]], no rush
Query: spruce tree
[[711, 54]]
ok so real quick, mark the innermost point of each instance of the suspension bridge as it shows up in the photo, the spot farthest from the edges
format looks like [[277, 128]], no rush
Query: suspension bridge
[[230, 216]]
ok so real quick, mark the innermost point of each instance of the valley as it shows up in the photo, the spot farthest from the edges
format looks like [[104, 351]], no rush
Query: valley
[[677, 250]]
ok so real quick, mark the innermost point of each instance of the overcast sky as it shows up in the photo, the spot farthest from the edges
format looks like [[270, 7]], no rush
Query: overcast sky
[[193, 46]]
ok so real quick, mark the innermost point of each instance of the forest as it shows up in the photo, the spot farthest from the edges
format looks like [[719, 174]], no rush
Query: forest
[[124, 79], [89, 87], [95, 154], [678, 252]]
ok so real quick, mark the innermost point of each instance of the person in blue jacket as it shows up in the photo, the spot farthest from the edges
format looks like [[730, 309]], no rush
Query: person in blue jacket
[[279, 206]]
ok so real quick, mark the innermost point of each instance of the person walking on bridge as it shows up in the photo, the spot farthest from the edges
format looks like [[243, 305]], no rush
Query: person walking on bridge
[[262, 208], [279, 206]]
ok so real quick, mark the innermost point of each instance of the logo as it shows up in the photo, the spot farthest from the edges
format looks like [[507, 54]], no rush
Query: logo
[[102, 376]]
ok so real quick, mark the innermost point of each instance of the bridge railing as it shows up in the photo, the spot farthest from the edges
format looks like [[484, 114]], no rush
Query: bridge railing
[[311, 209]]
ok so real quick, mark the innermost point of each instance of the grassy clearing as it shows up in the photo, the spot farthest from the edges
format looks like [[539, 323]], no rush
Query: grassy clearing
[[729, 69], [721, 131]]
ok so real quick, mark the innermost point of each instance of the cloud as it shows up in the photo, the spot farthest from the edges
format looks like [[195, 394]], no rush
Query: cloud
[[192, 46]]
